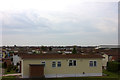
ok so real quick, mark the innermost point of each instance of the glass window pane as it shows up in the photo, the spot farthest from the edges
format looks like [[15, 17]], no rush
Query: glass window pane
[[43, 63], [95, 63], [70, 62], [91, 64], [53, 64], [74, 62], [59, 64]]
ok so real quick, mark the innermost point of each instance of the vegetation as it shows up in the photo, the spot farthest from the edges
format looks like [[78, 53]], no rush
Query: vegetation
[[110, 74], [11, 69], [8, 77], [10, 72], [113, 66], [43, 48], [4, 65], [11, 59], [74, 51], [50, 48]]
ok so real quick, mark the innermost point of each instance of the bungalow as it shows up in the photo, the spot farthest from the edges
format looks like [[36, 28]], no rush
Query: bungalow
[[60, 65]]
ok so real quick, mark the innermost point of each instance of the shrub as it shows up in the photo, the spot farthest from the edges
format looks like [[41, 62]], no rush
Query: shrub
[[9, 68], [4, 65], [113, 66], [14, 67], [16, 70]]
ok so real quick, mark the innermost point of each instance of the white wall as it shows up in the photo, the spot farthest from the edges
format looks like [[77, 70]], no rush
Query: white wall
[[16, 59], [104, 60]]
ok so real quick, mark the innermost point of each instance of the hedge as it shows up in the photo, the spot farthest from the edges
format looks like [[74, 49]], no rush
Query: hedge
[[113, 66]]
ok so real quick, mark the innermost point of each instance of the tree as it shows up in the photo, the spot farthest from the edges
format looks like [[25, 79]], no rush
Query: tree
[[74, 51], [43, 48], [50, 48]]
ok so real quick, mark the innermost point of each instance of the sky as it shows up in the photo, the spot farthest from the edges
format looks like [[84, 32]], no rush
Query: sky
[[58, 22]]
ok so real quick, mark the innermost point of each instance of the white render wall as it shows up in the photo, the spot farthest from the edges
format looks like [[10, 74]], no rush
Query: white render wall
[[65, 70], [72, 75], [16, 59], [68, 75], [105, 60]]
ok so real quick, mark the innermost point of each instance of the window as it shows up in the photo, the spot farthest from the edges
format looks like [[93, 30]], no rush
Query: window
[[72, 62], [53, 64], [93, 63], [59, 64], [43, 63], [56, 64]]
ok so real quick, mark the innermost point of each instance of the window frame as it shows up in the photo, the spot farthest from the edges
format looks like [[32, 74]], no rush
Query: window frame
[[59, 63], [93, 63], [72, 62], [44, 63], [54, 64]]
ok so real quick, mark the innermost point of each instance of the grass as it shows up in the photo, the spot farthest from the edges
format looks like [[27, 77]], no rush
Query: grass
[[11, 72], [9, 77], [111, 74]]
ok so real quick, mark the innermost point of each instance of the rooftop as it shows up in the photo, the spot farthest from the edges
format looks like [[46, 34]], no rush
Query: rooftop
[[54, 56]]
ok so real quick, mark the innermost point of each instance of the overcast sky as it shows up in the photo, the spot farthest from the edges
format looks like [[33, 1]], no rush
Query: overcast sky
[[59, 22]]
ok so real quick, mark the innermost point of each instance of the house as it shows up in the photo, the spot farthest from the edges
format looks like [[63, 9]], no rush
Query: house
[[113, 55], [60, 65], [104, 61], [16, 59], [110, 55], [108, 46]]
